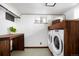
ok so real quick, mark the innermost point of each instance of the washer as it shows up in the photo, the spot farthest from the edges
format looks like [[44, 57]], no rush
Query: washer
[[58, 42], [50, 40]]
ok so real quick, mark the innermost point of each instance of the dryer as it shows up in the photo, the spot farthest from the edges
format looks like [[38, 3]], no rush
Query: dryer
[[58, 42]]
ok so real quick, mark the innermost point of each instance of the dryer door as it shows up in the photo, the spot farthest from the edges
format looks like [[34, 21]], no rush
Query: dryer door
[[57, 44]]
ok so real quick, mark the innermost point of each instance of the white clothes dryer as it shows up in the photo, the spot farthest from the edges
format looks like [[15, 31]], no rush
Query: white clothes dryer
[[58, 42]]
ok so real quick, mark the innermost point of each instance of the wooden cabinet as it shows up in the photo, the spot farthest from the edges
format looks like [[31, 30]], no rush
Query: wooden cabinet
[[17, 43], [5, 47]]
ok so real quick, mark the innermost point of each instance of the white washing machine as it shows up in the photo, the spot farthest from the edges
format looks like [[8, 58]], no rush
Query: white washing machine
[[50, 40], [58, 42]]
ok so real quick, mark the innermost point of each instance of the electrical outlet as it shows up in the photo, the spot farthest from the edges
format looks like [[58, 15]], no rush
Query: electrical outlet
[[40, 43]]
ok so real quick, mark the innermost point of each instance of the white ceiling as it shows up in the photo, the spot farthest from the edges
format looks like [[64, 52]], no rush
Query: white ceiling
[[40, 8]]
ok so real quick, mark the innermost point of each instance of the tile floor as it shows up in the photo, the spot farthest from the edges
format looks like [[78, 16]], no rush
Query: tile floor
[[32, 52]]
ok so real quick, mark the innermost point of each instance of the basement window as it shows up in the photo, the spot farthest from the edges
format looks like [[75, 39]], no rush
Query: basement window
[[41, 20], [9, 17]]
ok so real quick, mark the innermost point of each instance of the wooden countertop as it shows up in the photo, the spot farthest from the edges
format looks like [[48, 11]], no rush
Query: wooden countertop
[[10, 36], [61, 25]]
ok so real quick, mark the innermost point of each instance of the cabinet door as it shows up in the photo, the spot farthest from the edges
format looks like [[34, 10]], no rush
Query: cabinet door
[[14, 44], [20, 42], [0, 48], [5, 48]]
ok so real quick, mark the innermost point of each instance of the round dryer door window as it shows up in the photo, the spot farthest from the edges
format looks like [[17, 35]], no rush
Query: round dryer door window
[[57, 44]]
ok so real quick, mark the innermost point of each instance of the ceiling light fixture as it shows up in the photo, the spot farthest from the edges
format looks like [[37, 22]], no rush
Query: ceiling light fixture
[[50, 4]]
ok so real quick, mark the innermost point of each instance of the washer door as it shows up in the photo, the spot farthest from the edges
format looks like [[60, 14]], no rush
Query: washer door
[[57, 44], [50, 37]]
